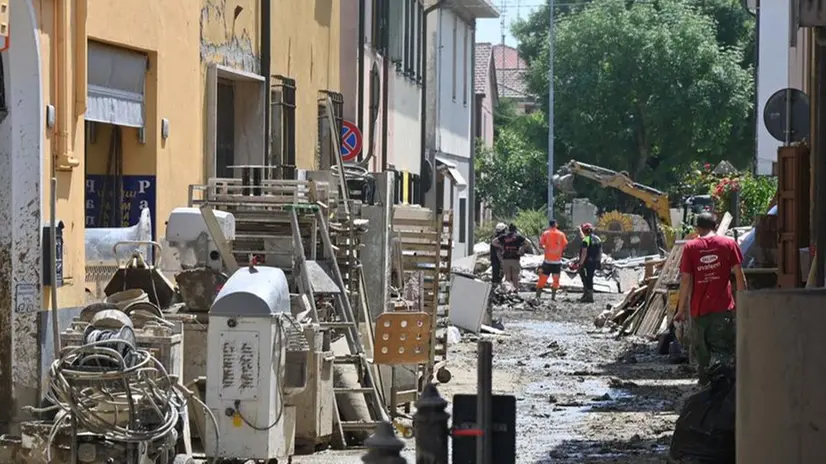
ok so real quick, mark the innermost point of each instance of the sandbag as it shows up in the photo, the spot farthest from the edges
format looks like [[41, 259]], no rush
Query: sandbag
[[704, 433]]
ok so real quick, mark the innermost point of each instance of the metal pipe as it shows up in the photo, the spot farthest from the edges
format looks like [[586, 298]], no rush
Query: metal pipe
[[551, 109], [266, 65], [53, 255], [820, 165], [484, 402], [63, 159], [360, 90], [471, 183], [426, 154], [385, 77]]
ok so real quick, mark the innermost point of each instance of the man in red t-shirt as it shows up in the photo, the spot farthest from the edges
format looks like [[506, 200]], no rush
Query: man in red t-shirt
[[705, 287]]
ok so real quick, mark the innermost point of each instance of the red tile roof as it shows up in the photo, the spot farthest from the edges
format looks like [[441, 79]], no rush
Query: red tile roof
[[482, 71]]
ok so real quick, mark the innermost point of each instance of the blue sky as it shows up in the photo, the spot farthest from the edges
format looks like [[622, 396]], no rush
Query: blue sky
[[490, 30]]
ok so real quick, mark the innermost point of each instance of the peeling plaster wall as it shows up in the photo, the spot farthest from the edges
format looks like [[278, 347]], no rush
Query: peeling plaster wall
[[227, 39], [20, 216]]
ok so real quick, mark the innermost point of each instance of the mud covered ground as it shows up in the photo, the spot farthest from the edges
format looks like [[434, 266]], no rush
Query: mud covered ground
[[582, 396]]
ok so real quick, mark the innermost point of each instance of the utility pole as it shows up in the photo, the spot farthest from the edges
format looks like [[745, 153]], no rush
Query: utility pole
[[551, 109]]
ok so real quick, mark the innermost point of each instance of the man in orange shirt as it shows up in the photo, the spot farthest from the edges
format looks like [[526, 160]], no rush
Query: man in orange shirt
[[553, 241]]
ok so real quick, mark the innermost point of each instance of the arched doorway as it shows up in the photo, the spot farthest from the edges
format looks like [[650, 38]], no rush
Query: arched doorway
[[21, 161]]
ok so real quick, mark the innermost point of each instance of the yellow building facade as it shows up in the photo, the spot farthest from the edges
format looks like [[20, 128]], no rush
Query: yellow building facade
[[138, 96]]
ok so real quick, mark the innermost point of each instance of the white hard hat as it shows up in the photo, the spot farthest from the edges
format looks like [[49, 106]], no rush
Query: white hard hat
[[500, 227]]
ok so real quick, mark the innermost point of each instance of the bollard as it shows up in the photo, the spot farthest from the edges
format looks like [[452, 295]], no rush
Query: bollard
[[383, 447], [430, 424]]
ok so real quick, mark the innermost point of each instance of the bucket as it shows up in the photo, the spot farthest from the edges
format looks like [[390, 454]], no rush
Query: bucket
[[127, 297]]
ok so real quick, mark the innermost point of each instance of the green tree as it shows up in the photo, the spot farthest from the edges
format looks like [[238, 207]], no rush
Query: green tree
[[512, 175], [641, 87]]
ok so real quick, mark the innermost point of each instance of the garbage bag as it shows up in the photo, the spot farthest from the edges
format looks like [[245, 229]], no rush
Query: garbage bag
[[704, 432]]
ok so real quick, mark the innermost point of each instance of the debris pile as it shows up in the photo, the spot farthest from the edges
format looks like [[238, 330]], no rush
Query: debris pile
[[615, 276], [648, 308]]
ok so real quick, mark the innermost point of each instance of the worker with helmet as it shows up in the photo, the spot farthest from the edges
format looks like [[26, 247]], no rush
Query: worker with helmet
[[511, 246], [553, 242], [590, 259], [495, 261]]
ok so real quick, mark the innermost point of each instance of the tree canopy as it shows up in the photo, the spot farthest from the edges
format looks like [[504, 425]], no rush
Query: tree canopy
[[645, 88]]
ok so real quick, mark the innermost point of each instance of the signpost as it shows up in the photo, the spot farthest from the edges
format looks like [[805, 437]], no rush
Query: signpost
[[351, 141]]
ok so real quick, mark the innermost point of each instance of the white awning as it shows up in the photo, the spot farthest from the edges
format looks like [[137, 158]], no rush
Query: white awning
[[116, 79], [452, 171]]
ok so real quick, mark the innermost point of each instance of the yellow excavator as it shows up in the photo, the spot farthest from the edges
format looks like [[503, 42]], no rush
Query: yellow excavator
[[655, 200]]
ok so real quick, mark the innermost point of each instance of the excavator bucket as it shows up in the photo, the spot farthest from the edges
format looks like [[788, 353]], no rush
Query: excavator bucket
[[564, 183]]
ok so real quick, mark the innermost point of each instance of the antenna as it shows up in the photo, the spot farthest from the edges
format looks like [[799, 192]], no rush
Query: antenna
[[502, 22]]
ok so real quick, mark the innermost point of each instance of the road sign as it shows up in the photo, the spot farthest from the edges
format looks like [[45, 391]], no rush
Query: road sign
[[350, 141]]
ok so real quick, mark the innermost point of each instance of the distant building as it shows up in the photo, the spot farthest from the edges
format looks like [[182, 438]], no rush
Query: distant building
[[511, 71], [450, 124], [486, 98]]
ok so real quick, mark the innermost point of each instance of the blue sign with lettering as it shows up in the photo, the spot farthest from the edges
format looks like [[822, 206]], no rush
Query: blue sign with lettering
[[105, 207]]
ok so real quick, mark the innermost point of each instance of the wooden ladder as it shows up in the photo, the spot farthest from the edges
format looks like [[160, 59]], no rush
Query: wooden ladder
[[323, 278]]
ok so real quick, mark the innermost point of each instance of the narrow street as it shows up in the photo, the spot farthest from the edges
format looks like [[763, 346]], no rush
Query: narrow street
[[582, 396]]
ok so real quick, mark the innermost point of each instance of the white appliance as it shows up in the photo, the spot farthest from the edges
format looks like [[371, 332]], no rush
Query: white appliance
[[187, 232], [246, 387]]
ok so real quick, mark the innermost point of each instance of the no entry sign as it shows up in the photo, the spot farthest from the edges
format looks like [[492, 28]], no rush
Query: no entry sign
[[350, 141]]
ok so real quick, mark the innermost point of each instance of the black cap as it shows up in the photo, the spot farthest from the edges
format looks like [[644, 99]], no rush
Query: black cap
[[705, 221], [552, 223], [512, 227]]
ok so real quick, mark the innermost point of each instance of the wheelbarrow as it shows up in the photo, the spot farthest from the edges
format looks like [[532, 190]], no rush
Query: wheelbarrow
[[136, 273]]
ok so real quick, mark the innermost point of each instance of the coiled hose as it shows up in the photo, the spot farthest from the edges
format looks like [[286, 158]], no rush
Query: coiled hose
[[123, 394]]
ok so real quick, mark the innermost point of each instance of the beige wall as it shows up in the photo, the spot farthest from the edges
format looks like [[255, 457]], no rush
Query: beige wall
[[180, 38], [168, 33], [305, 47]]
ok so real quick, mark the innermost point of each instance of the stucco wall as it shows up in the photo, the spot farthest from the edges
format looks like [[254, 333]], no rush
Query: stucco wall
[[172, 45], [404, 124], [20, 215], [453, 130], [486, 109], [305, 47]]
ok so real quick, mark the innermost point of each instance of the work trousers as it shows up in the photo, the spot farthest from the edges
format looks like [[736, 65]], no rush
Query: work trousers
[[496, 271], [713, 338], [586, 273], [512, 269]]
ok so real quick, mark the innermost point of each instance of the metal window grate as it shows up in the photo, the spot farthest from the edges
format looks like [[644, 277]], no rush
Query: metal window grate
[[282, 126]]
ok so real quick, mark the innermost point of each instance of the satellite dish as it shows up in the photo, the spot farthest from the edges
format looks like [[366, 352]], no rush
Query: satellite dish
[[775, 115]]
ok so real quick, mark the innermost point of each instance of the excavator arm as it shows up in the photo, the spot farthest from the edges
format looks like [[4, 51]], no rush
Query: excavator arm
[[653, 199]]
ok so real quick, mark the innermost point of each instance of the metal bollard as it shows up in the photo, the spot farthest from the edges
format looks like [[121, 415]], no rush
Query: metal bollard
[[430, 424], [383, 447]]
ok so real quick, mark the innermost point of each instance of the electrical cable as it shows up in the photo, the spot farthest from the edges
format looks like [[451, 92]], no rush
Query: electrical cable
[[281, 337], [95, 384]]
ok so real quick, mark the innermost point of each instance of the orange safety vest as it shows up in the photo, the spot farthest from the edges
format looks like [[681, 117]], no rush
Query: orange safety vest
[[553, 241]]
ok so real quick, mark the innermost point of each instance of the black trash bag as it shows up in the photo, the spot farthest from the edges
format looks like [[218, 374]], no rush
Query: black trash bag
[[704, 433]]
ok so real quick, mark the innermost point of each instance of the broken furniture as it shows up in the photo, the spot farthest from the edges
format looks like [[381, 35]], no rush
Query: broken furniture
[[426, 241]]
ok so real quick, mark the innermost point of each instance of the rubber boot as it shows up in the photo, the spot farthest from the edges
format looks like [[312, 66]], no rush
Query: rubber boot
[[588, 296], [538, 293], [553, 294]]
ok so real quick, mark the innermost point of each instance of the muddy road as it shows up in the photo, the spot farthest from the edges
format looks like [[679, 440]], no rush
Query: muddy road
[[582, 396]]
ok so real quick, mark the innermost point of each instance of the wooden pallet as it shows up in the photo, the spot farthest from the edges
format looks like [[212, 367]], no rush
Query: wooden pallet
[[655, 310], [426, 243]]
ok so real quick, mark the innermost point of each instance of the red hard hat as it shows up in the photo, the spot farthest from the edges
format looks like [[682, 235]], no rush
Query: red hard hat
[[587, 226]]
